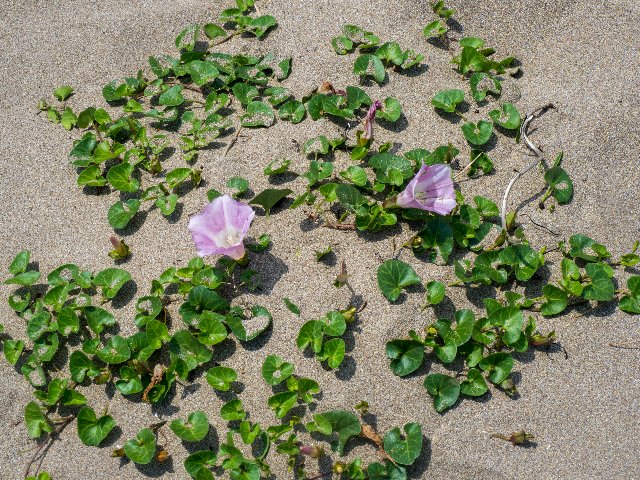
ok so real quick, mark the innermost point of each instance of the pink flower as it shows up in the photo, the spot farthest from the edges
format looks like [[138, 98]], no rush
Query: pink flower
[[368, 121], [431, 189], [221, 227]]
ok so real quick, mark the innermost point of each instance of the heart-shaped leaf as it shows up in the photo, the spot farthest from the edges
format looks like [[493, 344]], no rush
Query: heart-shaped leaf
[[282, 402], [221, 378], [172, 97], [477, 134], [333, 352], [270, 197], [276, 370], [474, 385], [368, 65], [448, 100], [404, 450], [258, 114], [92, 430], [142, 448], [507, 117], [445, 390], [393, 276], [121, 213], [111, 280], [435, 292], [195, 428], [198, 464], [340, 422], [35, 420], [498, 366], [406, 356], [560, 183]]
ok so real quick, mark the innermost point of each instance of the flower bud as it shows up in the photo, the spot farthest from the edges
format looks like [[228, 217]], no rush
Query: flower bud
[[312, 451]]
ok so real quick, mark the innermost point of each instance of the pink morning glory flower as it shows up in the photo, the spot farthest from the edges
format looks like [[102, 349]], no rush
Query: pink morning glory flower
[[431, 189], [368, 121], [221, 227]]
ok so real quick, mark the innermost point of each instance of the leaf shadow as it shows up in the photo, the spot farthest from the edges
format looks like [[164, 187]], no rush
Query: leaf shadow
[[398, 126], [418, 468]]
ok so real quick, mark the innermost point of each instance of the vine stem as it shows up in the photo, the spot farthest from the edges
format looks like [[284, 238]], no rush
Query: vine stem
[[46, 445], [539, 158], [467, 167], [228, 37]]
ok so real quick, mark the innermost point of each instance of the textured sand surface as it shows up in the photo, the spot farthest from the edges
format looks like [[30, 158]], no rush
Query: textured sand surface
[[580, 55]]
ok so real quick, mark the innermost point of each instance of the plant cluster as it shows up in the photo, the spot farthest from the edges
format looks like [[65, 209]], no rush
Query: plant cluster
[[202, 94]]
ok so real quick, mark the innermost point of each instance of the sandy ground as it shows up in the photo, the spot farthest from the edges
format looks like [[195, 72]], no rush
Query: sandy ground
[[580, 55]]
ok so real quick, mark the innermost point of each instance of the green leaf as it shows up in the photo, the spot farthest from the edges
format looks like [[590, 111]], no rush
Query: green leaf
[[406, 356], [111, 280], [91, 177], [232, 410], [116, 350], [80, 365], [12, 350], [340, 422], [435, 292], [438, 234], [391, 110], [391, 53], [54, 392], [98, 318], [259, 321], [341, 44], [63, 92], [292, 111], [92, 430], [81, 154], [36, 421], [129, 382], [187, 38], [446, 353], [507, 117], [282, 402], [448, 100], [172, 97], [556, 300], [370, 65], [142, 448], [202, 72], [185, 346], [477, 134], [20, 263], [333, 352], [276, 370], [245, 93], [239, 184], [349, 196], [260, 25], [434, 28], [391, 168], [560, 183], [388, 471], [579, 243], [404, 450], [121, 213], [486, 208], [194, 430], [356, 98], [355, 175], [524, 259], [119, 176], [498, 366], [198, 464], [199, 300], [482, 83], [445, 390], [258, 114], [270, 197], [25, 279], [292, 307], [277, 167], [213, 31], [601, 287], [393, 276], [474, 385], [221, 378], [311, 334], [511, 319]]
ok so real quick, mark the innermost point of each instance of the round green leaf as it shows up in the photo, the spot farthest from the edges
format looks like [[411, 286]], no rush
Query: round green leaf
[[445, 390], [474, 385], [129, 381], [194, 430], [111, 280], [448, 100], [404, 450], [142, 448], [560, 182], [406, 356], [172, 97], [391, 110], [477, 134], [507, 117], [498, 366], [435, 292], [197, 464], [276, 370], [258, 114], [221, 378], [282, 402], [333, 352], [121, 213], [92, 430], [116, 350], [292, 111], [370, 65]]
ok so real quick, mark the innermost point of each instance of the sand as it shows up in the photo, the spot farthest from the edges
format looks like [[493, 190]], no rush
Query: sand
[[580, 55]]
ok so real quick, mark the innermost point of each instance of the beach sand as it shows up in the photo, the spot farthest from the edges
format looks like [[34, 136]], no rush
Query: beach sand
[[581, 56]]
